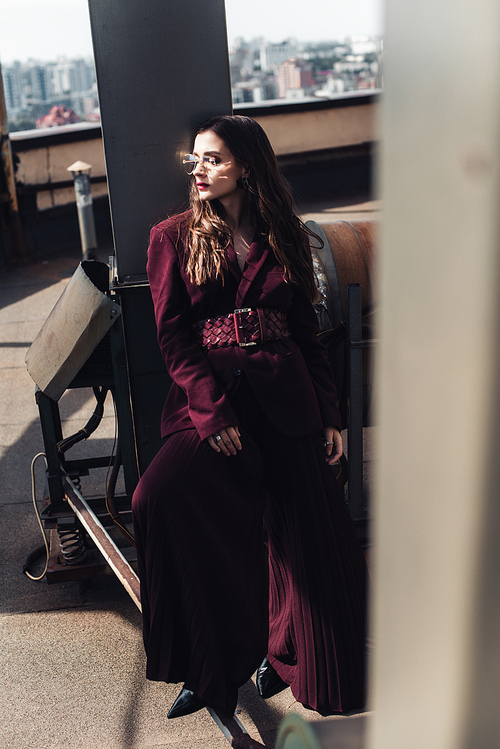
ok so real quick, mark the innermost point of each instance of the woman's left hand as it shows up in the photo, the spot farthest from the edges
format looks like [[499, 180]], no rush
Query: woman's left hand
[[333, 445], [226, 441]]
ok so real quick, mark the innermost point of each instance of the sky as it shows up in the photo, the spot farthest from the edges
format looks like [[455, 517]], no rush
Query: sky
[[46, 29]]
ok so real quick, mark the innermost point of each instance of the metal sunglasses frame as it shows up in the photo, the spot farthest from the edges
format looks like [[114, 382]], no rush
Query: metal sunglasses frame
[[190, 162]]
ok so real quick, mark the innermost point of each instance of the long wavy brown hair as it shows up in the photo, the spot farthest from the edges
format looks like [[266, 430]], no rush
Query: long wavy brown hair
[[269, 204]]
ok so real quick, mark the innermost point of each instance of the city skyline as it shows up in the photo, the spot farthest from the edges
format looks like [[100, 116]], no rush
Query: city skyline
[[47, 29], [50, 93]]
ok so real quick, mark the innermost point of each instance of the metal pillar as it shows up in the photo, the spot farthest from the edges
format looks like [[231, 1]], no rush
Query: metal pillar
[[81, 178], [162, 68]]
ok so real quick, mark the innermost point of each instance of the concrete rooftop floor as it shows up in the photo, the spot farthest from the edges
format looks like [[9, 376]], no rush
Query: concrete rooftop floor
[[72, 664]]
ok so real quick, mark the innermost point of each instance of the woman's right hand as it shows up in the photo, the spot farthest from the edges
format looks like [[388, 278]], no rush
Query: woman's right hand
[[229, 442]]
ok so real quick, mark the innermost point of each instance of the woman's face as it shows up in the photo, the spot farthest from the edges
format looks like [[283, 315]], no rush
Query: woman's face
[[219, 179]]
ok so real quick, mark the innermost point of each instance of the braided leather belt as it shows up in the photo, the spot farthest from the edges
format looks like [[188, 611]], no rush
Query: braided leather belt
[[243, 327]]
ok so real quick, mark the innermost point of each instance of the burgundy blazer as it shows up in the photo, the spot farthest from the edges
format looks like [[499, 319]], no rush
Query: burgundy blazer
[[291, 379]]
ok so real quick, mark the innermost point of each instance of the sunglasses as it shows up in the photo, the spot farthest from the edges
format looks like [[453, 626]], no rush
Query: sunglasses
[[209, 162]]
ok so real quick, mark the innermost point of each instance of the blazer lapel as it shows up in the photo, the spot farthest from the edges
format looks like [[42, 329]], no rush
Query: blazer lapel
[[255, 259]]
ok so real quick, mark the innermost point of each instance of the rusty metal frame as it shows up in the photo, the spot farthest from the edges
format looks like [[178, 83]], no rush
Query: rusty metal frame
[[233, 730], [110, 551]]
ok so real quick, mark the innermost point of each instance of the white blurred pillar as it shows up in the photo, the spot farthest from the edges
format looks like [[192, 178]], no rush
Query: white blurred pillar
[[436, 607]]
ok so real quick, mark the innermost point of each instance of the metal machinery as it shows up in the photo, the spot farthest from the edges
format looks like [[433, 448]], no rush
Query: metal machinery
[[172, 89]]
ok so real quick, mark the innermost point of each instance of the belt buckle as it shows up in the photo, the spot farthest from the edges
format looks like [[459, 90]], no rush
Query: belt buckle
[[238, 327]]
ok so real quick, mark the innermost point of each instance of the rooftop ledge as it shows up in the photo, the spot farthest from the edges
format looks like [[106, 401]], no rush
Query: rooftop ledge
[[324, 148], [252, 109]]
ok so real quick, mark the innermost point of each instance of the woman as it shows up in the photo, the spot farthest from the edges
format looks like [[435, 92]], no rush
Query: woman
[[253, 429]]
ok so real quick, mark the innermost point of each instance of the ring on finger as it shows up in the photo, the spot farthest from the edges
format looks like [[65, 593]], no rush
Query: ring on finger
[[217, 437], [329, 443]]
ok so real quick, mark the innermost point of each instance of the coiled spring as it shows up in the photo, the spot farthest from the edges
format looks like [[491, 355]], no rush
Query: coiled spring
[[72, 541]]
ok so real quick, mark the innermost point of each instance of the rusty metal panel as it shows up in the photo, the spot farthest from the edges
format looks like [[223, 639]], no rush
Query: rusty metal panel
[[79, 320], [162, 67]]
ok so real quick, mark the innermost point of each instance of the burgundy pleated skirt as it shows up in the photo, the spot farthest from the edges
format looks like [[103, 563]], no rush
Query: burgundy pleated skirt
[[208, 615]]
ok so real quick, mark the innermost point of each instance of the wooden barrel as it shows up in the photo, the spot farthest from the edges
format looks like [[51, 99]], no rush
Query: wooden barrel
[[346, 256]]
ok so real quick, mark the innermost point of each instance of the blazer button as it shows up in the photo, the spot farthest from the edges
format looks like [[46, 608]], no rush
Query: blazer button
[[236, 371]]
